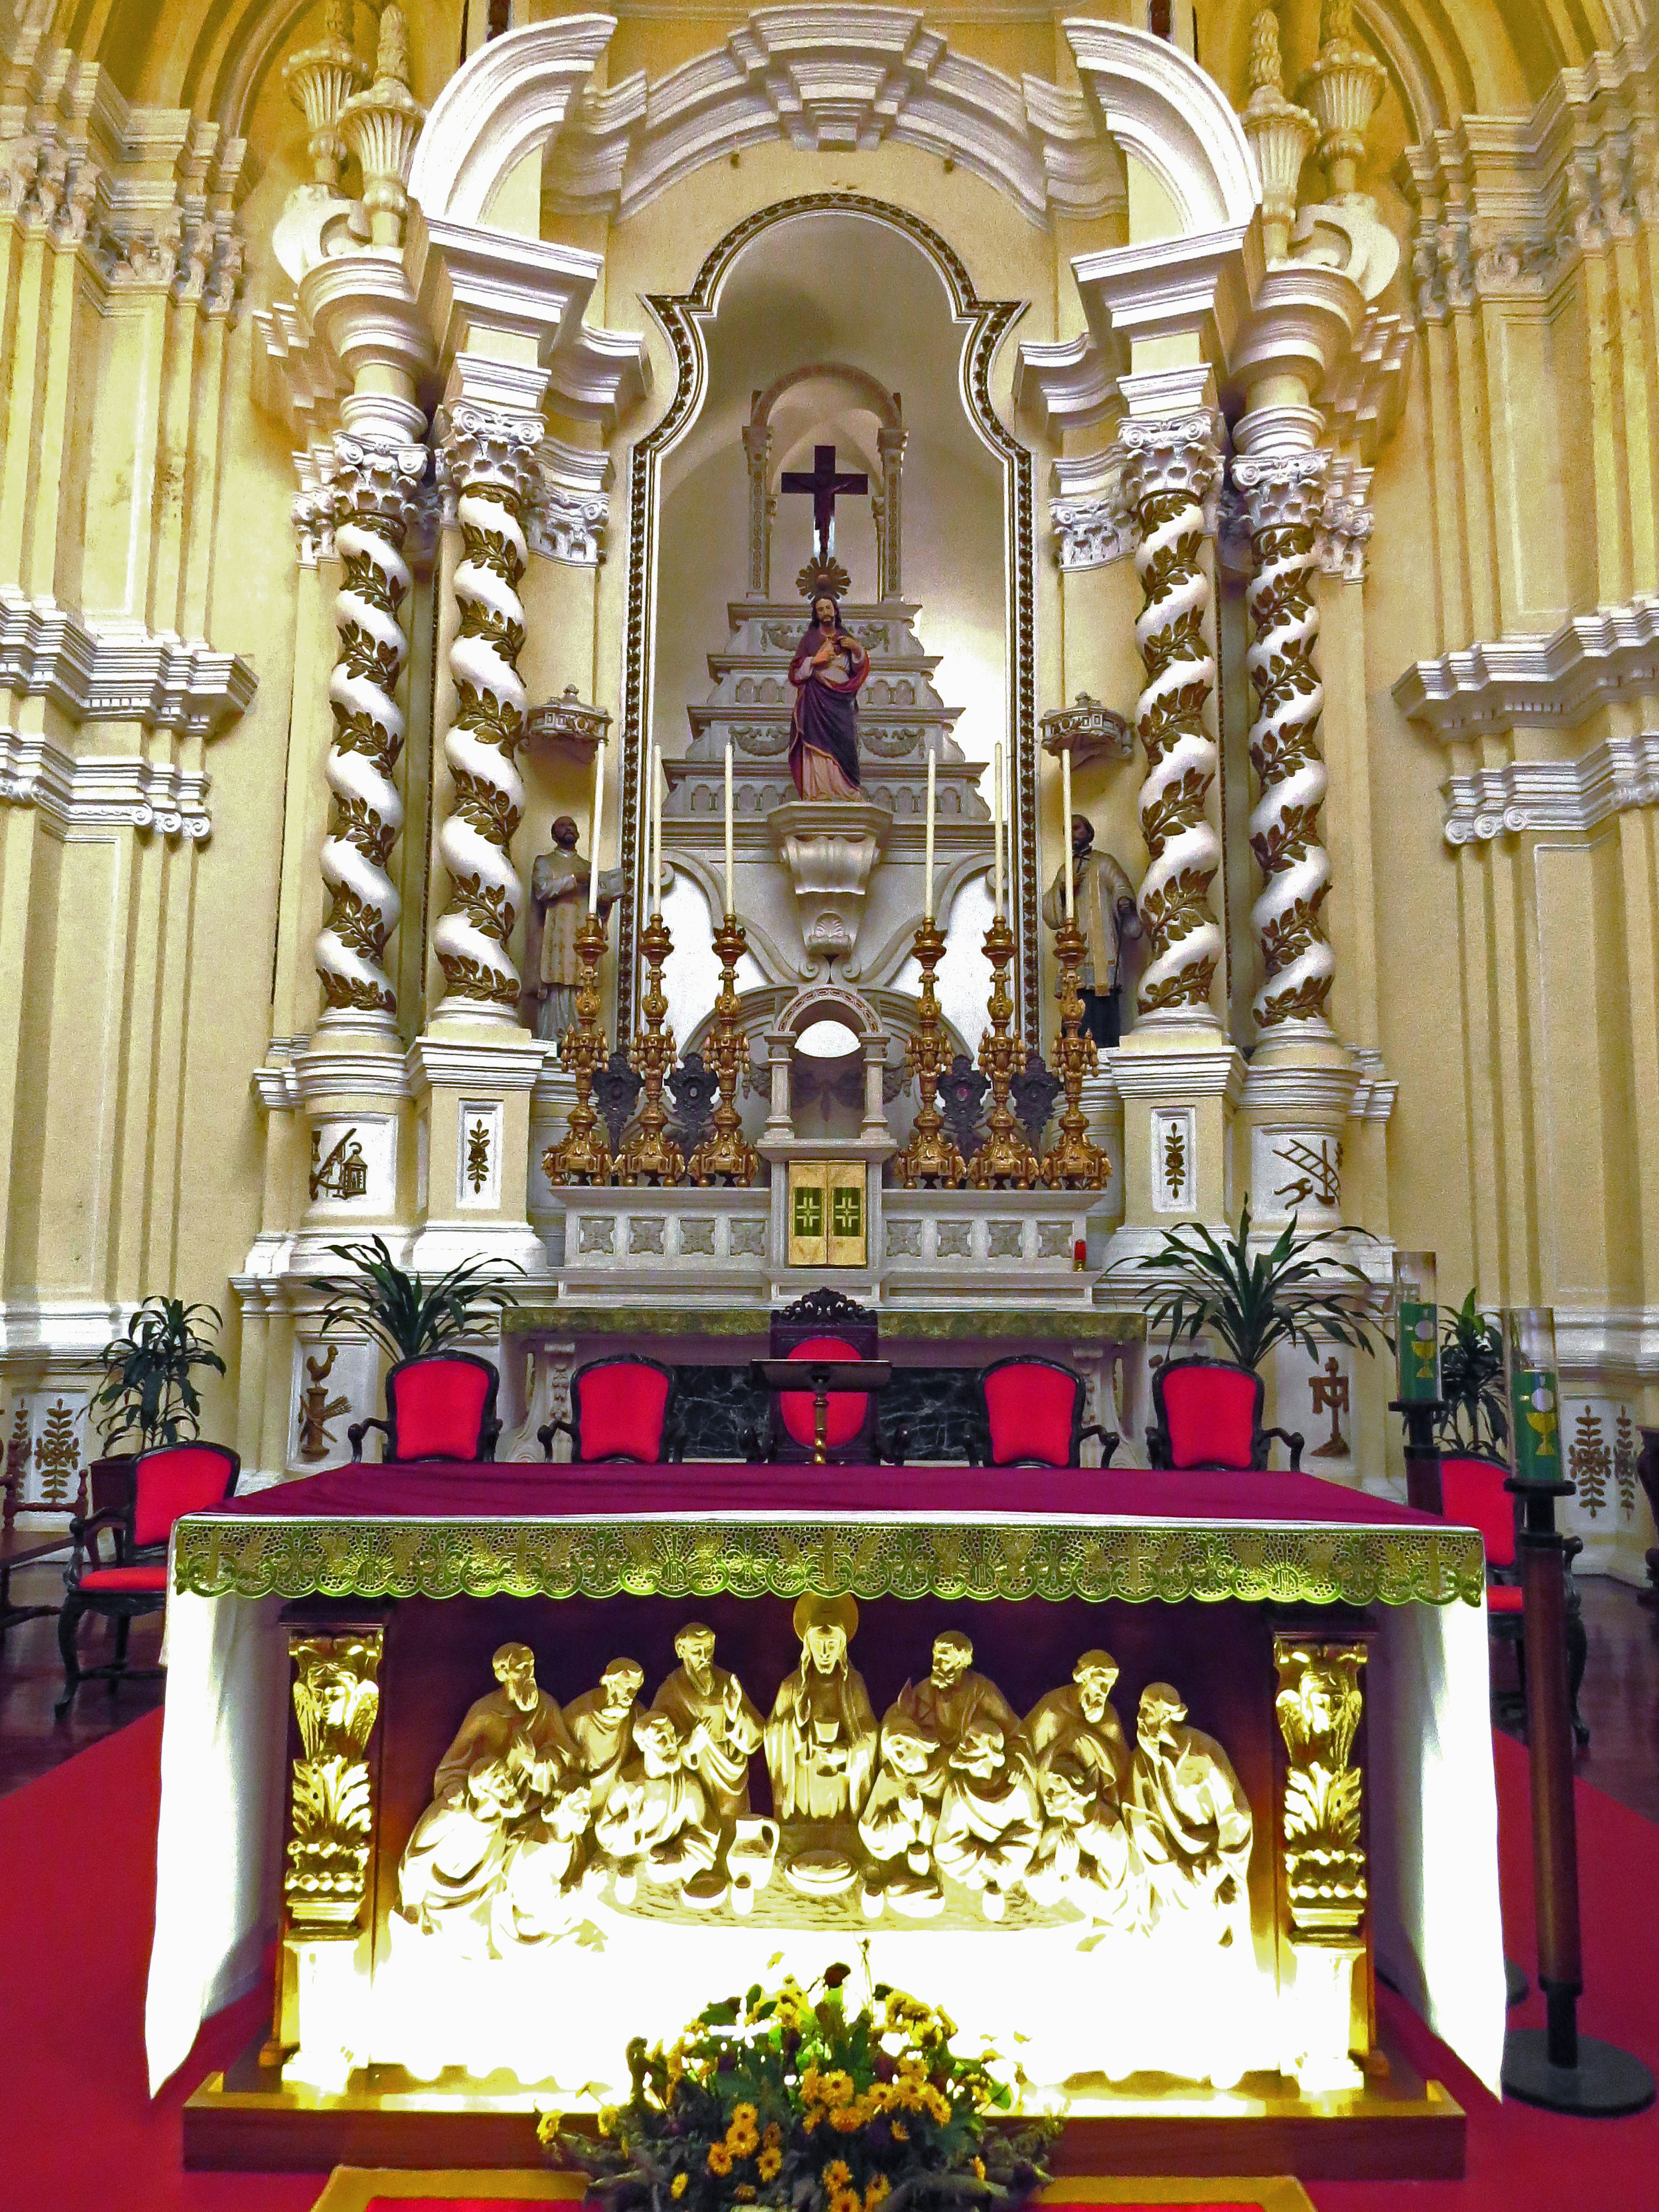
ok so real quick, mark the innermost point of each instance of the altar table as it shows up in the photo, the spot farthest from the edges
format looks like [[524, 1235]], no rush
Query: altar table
[[981, 1539]]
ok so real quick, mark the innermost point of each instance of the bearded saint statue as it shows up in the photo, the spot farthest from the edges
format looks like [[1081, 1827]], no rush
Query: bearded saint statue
[[827, 673]]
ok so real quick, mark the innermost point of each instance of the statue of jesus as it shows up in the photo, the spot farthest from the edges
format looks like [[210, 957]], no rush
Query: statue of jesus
[[828, 671]]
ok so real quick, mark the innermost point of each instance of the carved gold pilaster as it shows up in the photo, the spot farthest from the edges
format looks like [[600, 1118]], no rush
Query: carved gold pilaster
[[583, 1154], [1004, 1160], [725, 1155], [1169, 471], [1321, 1841], [336, 1699], [931, 1156], [651, 1155]]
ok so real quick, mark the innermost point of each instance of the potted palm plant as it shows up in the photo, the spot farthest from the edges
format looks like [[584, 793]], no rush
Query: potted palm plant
[[1472, 1382], [406, 1315], [148, 1396]]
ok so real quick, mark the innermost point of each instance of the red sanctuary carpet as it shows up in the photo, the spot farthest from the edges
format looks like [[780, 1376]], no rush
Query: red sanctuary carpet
[[78, 2134]]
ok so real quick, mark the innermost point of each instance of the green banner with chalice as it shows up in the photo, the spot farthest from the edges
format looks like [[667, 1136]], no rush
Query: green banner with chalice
[[1534, 1392]]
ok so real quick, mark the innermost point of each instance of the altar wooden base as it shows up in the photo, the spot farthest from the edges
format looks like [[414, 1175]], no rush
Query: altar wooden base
[[1397, 2128]]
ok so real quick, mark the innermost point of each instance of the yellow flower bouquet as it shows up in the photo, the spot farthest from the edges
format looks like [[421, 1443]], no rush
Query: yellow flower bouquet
[[787, 2099]]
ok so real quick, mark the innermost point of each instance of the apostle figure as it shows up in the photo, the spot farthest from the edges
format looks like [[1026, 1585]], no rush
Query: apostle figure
[[1191, 1820], [821, 1739], [558, 898], [1077, 1723], [1105, 903], [602, 1722], [827, 673], [950, 1701], [718, 1727], [988, 1822], [500, 1790], [655, 1822], [896, 1825]]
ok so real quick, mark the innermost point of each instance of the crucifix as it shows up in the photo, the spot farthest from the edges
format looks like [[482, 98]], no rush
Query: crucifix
[[826, 487]]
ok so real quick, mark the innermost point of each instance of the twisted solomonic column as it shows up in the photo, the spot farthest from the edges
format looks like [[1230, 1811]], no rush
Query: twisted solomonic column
[[376, 482], [1283, 496], [490, 458], [1169, 469]]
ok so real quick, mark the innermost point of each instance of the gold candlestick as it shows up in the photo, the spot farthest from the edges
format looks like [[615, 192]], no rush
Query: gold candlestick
[[1004, 1159], [581, 1154], [1073, 1163], [725, 1154], [930, 1156], [650, 1154]]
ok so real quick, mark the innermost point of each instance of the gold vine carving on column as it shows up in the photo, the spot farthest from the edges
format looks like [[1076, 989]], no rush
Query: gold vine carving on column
[[1318, 1707], [1170, 469], [336, 1698]]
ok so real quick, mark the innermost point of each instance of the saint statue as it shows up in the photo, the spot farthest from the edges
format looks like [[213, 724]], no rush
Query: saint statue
[[602, 1722], [827, 673], [718, 1727], [821, 1739], [989, 1824], [1083, 1770], [896, 1825], [502, 1834], [1078, 1724], [558, 896], [1104, 899], [952, 1700], [1191, 1818], [656, 1822]]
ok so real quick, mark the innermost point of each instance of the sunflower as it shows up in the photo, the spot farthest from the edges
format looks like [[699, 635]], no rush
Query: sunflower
[[769, 2163], [846, 2200], [837, 2174], [901, 2133], [879, 2189], [719, 2158], [847, 2119]]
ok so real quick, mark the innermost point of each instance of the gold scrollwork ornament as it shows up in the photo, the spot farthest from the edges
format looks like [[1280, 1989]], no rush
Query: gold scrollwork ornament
[[1318, 1707], [336, 1697]]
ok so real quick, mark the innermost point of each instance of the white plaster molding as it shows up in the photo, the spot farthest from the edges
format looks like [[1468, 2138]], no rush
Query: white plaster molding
[[572, 509], [60, 1330], [1611, 778], [1092, 519], [1173, 117], [1279, 1092], [76, 796], [1346, 521], [1617, 1343], [491, 1064], [1212, 1072], [117, 671], [1553, 681], [1375, 1092]]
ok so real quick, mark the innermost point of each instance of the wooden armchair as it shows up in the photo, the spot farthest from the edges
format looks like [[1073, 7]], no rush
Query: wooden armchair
[[824, 1325], [1032, 1415], [1474, 1494], [1209, 1414], [622, 1408], [441, 1405], [171, 1480]]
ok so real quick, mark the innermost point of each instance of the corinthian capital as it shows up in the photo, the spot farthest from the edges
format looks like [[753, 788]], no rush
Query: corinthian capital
[[1280, 490], [377, 478], [1178, 453], [490, 449]]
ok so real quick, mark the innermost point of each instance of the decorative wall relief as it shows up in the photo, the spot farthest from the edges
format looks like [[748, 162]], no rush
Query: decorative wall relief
[[332, 1383], [1296, 1171], [353, 1162], [1175, 1167], [1322, 1841], [478, 1166], [335, 1699]]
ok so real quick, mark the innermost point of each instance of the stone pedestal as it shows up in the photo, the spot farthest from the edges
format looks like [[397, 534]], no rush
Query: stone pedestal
[[474, 1093], [1179, 1088], [828, 848]]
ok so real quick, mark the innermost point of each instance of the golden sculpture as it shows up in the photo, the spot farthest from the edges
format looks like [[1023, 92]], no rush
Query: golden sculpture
[[656, 1821], [897, 1823], [1318, 1707], [1190, 1819], [500, 1844], [1073, 1161], [1083, 1767], [988, 1823], [931, 1156], [1078, 1724], [820, 1747], [336, 1697], [718, 1727], [1005, 1160], [726, 1154], [949, 1701], [602, 1722], [650, 1154]]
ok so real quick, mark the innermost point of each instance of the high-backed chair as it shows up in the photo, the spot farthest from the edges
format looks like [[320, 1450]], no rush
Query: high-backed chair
[[824, 1325], [1473, 1493], [621, 1408], [441, 1405], [1033, 1415], [1209, 1415], [170, 1480]]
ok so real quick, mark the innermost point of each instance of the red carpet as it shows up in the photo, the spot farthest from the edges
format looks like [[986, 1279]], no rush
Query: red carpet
[[78, 2134]]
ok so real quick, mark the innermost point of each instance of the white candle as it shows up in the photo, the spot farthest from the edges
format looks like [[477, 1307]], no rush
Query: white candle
[[594, 827], [996, 821], [1066, 831], [730, 900], [655, 818], [932, 764]]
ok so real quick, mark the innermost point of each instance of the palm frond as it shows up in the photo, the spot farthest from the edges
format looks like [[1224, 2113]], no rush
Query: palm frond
[[403, 1314]]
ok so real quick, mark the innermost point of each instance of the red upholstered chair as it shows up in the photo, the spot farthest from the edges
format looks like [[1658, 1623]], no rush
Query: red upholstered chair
[[622, 1408], [824, 1325], [1474, 1494], [172, 1479], [441, 1405], [1209, 1414], [1033, 1416]]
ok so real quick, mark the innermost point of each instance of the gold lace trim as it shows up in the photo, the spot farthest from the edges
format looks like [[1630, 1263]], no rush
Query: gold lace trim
[[1282, 1564]]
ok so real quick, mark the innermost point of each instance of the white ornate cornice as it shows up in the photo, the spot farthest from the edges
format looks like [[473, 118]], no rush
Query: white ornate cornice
[[1279, 488], [117, 671], [1555, 681], [1376, 1093], [1611, 778], [1091, 521], [1346, 521], [572, 508], [75, 795]]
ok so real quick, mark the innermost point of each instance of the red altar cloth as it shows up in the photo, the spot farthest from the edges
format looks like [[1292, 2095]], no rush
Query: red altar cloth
[[435, 1491]]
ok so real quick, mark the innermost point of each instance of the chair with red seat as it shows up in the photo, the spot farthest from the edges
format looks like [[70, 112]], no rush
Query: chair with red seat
[[441, 1405], [1474, 1494], [823, 1325], [1032, 1415], [168, 1481], [1209, 1415], [622, 1408]]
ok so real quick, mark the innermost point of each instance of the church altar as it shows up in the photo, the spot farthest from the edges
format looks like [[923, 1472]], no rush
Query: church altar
[[1327, 1649]]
